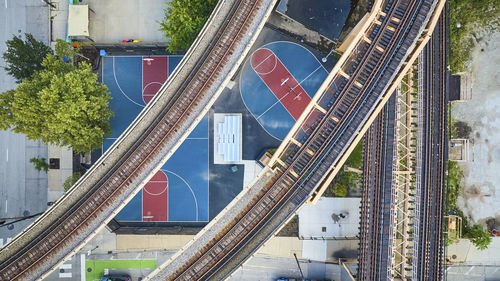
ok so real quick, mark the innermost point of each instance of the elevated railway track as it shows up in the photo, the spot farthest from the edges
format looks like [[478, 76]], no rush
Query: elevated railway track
[[401, 223], [351, 95], [47, 242], [377, 203], [330, 126], [430, 258]]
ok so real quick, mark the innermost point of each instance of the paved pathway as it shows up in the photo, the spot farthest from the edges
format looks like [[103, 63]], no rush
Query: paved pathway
[[22, 188]]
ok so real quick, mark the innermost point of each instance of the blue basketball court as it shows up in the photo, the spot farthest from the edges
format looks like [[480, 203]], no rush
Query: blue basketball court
[[270, 108], [179, 191]]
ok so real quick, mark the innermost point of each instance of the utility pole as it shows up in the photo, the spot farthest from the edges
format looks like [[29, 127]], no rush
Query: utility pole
[[49, 3], [298, 264]]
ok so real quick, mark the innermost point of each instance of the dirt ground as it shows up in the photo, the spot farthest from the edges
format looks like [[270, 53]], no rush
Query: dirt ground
[[480, 196]]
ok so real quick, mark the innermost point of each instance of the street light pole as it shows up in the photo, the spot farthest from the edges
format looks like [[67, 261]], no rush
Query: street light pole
[[49, 3], [298, 264]]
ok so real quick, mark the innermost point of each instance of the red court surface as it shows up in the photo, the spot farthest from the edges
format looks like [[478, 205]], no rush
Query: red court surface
[[155, 198], [154, 74], [280, 81]]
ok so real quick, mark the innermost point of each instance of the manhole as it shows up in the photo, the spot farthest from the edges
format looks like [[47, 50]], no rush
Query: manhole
[[26, 213], [89, 269], [61, 270], [454, 256], [10, 226]]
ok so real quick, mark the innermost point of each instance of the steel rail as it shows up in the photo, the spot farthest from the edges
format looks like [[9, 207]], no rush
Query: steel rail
[[300, 153], [22, 268]]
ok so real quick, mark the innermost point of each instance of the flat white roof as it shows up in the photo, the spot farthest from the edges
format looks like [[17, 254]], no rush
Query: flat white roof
[[330, 218], [228, 137], [78, 20]]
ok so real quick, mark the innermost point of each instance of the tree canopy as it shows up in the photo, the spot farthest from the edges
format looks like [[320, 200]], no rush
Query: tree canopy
[[183, 20], [40, 164], [479, 237], [60, 104], [23, 58], [340, 190]]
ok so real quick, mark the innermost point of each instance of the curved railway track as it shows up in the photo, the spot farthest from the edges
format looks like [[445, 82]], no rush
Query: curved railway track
[[305, 165], [25, 263]]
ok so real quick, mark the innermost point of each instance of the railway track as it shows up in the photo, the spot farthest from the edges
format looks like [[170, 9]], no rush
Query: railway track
[[371, 201], [32, 260], [430, 260], [307, 160]]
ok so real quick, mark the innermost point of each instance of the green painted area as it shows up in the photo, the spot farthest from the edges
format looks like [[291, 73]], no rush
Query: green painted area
[[98, 266]]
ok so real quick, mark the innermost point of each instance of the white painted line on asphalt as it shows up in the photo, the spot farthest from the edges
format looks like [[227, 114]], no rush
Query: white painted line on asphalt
[[65, 275], [82, 267], [9, 239], [6, 4], [1, 242], [6, 204], [66, 266], [7, 153]]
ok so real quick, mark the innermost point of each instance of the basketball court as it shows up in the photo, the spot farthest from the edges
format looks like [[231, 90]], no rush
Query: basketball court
[[277, 83], [179, 191]]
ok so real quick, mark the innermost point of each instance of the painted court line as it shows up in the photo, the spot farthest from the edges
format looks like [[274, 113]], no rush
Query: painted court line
[[299, 84], [280, 81], [154, 74], [155, 198], [189, 186], [119, 87]]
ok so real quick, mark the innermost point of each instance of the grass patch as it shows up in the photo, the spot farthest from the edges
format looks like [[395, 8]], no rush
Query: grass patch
[[466, 16], [355, 160], [98, 266]]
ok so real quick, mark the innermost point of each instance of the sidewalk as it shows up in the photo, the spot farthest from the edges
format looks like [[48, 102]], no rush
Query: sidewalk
[[464, 252]]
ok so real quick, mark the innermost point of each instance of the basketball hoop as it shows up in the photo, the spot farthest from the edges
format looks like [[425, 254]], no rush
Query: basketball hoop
[[148, 60]]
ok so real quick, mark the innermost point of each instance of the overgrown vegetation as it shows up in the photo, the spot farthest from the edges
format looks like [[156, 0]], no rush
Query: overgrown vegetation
[[183, 20], [340, 190], [477, 235], [466, 16], [40, 164], [70, 181], [345, 182], [61, 104]]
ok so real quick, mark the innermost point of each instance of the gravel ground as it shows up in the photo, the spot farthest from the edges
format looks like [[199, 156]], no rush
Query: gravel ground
[[480, 194]]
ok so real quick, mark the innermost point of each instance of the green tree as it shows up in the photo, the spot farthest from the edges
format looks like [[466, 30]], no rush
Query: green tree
[[40, 164], [183, 21], [61, 104], [70, 181], [340, 190], [479, 237], [23, 58]]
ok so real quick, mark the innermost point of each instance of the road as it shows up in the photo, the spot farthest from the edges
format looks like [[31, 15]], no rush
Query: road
[[22, 188]]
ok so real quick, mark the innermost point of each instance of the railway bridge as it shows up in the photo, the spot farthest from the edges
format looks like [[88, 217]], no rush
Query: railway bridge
[[349, 99]]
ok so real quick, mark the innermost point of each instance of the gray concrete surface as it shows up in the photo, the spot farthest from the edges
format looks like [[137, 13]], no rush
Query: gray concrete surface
[[23, 190], [115, 20], [481, 190], [270, 268], [264, 268], [472, 273]]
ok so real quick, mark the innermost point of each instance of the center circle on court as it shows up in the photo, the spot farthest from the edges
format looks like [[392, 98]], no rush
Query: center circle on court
[[157, 185], [271, 84], [263, 61]]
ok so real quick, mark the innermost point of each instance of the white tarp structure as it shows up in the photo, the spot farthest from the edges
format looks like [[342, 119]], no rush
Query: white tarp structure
[[78, 21], [229, 138]]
